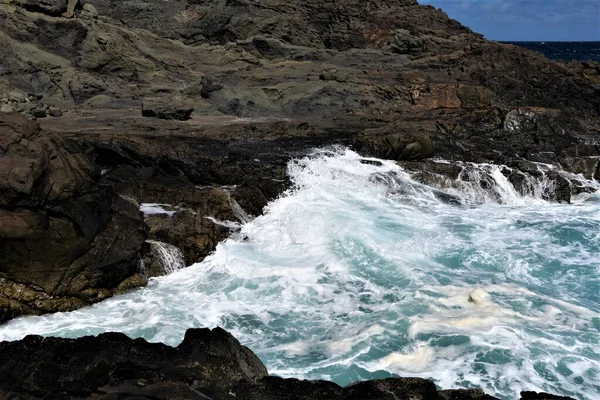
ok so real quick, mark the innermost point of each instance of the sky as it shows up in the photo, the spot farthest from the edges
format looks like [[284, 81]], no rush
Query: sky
[[527, 20]]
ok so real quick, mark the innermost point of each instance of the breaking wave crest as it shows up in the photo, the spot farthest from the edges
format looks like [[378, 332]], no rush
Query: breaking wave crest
[[360, 272]]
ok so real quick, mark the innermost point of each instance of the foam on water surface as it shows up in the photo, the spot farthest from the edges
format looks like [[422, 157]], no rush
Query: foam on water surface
[[360, 272]]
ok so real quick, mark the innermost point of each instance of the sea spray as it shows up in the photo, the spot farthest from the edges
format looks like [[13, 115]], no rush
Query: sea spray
[[170, 257], [359, 271]]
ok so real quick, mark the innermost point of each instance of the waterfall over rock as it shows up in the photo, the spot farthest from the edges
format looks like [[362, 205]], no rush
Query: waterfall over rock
[[170, 257]]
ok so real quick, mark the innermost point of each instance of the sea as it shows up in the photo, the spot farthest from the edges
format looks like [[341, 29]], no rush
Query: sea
[[565, 51], [359, 271]]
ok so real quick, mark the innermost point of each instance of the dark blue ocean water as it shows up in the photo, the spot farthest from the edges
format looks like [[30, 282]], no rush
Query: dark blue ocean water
[[578, 51]]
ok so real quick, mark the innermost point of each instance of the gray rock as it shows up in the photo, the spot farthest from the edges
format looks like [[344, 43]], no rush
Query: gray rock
[[34, 97], [7, 108], [17, 97], [209, 85], [519, 120], [26, 107], [406, 43], [89, 11], [54, 111]]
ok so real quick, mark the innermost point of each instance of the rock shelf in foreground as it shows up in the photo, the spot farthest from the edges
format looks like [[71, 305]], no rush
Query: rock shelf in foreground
[[208, 364]]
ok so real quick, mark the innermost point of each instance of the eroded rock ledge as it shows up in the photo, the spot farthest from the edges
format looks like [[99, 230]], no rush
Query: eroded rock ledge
[[208, 364]]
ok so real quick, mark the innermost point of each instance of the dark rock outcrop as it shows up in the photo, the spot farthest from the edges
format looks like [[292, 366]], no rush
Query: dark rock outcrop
[[208, 364], [66, 241], [210, 361]]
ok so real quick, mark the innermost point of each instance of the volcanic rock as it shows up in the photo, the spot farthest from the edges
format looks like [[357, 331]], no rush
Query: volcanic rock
[[208, 364]]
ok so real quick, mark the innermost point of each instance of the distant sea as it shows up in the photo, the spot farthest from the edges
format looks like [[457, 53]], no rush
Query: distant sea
[[579, 51]]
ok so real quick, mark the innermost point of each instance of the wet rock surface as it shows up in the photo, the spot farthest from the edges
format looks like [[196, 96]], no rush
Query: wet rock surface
[[208, 364]]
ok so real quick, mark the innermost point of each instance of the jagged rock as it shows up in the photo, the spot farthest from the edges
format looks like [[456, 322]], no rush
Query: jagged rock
[[404, 146], [196, 227], [406, 43], [209, 85], [84, 86], [211, 360], [520, 120], [464, 394]]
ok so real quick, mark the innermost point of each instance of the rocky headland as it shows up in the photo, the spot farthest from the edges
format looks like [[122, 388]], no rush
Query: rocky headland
[[197, 106]]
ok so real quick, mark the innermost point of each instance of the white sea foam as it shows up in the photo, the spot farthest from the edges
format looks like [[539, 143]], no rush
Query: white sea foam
[[359, 269], [156, 209]]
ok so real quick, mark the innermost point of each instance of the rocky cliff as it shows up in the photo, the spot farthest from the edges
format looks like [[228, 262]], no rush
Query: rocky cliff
[[200, 104]]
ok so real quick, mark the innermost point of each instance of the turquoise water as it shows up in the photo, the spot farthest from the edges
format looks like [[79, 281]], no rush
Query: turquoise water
[[359, 272]]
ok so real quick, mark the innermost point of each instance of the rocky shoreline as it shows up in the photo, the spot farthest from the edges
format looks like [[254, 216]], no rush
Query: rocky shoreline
[[208, 364], [199, 106]]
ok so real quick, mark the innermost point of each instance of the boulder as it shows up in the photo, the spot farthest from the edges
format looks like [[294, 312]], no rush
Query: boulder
[[166, 110], [89, 11], [8, 108], [38, 112], [209, 85], [54, 111]]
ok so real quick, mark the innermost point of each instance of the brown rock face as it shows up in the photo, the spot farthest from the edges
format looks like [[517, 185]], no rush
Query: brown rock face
[[63, 237]]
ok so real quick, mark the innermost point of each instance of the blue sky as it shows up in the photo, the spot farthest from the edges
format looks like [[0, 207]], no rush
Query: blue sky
[[542, 20]]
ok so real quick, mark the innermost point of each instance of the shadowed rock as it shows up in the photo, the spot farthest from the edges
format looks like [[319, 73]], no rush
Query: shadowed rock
[[65, 240]]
